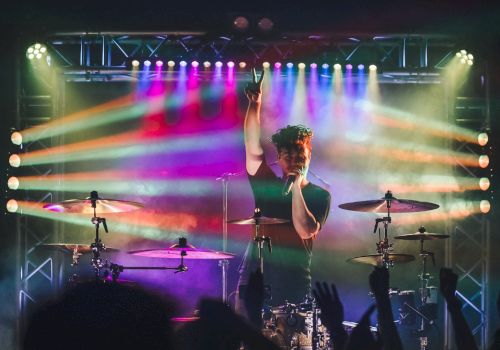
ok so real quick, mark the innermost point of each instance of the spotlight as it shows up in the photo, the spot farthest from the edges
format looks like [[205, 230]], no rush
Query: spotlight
[[325, 66], [171, 64], [242, 65], [484, 206], [195, 64], [265, 24], [337, 66], [230, 64], [15, 161], [241, 23], [482, 139], [289, 65], [266, 65], [361, 66], [313, 65], [302, 65], [147, 63], [458, 54], [463, 52], [470, 56], [159, 63], [463, 60], [12, 206], [206, 64], [13, 183], [183, 63], [348, 66], [372, 67], [484, 183], [470, 62], [36, 51], [277, 65], [16, 138], [135, 63], [484, 161], [218, 64]]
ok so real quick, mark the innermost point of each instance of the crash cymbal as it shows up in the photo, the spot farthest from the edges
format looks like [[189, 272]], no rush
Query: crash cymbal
[[84, 206], [396, 205], [261, 220], [421, 235], [378, 259], [175, 251], [70, 248]]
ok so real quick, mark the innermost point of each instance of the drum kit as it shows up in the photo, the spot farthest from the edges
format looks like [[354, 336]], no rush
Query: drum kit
[[290, 326]]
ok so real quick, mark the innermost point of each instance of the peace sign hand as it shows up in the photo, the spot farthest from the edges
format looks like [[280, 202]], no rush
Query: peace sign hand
[[253, 90]]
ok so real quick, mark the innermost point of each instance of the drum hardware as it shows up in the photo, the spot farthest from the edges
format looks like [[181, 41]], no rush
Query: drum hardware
[[75, 249]]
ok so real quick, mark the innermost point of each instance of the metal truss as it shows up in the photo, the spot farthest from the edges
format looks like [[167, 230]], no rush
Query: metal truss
[[403, 55]]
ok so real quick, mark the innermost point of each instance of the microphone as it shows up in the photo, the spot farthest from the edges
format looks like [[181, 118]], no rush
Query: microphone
[[288, 185]]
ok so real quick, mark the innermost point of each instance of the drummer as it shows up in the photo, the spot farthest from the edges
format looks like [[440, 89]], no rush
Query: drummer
[[291, 197]]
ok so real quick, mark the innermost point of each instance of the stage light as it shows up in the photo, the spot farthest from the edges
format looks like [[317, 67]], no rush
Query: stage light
[[458, 54], [218, 64], [195, 64], [372, 67], [482, 139], [171, 64], [289, 65], [361, 67], [15, 161], [266, 64], [159, 63], [484, 161], [241, 23], [313, 65], [183, 63], [325, 66], [36, 51], [348, 66], [12, 206], [337, 66], [484, 183], [265, 24], [230, 64], [463, 60], [16, 138], [242, 65], [13, 183], [302, 65], [463, 52], [484, 206], [147, 63], [206, 64], [135, 63], [470, 62], [470, 56], [277, 65]]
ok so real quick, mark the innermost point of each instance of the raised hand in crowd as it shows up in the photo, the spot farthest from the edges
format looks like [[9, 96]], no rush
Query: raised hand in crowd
[[254, 298], [332, 312], [362, 337], [253, 89], [379, 284], [448, 286]]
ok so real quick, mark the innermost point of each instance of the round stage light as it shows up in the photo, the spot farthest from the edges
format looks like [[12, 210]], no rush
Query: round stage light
[[242, 65], [16, 138], [241, 23], [325, 66], [470, 56], [337, 66], [470, 62], [302, 65], [458, 54], [313, 65], [183, 63], [265, 24], [230, 64], [484, 206], [36, 51], [195, 64], [277, 65], [206, 64], [463, 60], [15, 161], [147, 63], [484, 161], [266, 64], [484, 183], [348, 66], [463, 52], [13, 183], [12, 206], [289, 65], [135, 63], [218, 64], [361, 66], [171, 64], [482, 139], [159, 63], [372, 67]]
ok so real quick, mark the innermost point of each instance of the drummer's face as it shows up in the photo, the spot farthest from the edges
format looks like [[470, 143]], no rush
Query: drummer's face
[[291, 160]]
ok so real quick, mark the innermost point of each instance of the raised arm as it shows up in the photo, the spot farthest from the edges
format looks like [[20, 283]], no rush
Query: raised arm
[[253, 148]]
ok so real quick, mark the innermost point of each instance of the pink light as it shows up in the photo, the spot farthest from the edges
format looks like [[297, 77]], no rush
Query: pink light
[[230, 64], [348, 66], [218, 64], [277, 65], [195, 64], [159, 63], [314, 66]]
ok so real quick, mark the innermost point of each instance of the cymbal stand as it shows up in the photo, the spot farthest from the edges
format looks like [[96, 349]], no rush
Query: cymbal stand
[[261, 240], [383, 246], [97, 246]]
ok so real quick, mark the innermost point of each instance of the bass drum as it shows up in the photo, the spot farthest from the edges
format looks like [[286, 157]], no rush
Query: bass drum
[[292, 327]]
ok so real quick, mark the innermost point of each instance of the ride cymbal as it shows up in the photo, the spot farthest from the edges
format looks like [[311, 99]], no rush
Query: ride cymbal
[[396, 205], [378, 259], [84, 206]]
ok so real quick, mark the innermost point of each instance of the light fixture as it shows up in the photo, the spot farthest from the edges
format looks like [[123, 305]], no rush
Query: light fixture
[[16, 138]]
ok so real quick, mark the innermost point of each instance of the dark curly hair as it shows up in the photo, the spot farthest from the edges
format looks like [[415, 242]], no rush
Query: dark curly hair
[[293, 137]]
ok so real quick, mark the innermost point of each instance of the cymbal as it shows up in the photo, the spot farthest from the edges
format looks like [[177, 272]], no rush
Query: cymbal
[[417, 236], [70, 248], [84, 206], [258, 220], [378, 259], [174, 252], [397, 205]]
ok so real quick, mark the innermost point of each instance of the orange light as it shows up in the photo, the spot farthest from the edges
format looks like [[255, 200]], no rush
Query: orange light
[[484, 206], [484, 183], [482, 139], [484, 161], [12, 206], [15, 161]]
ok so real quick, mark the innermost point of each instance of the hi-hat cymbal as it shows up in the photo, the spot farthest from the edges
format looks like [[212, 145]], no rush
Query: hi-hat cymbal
[[175, 251], [84, 206], [378, 259], [74, 247], [396, 205], [418, 236]]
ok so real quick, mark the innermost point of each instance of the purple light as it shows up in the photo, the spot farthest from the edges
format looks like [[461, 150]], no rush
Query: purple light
[[348, 66], [361, 67], [159, 63], [277, 65], [147, 63], [313, 66], [230, 64], [289, 65], [218, 64], [195, 64], [183, 63]]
